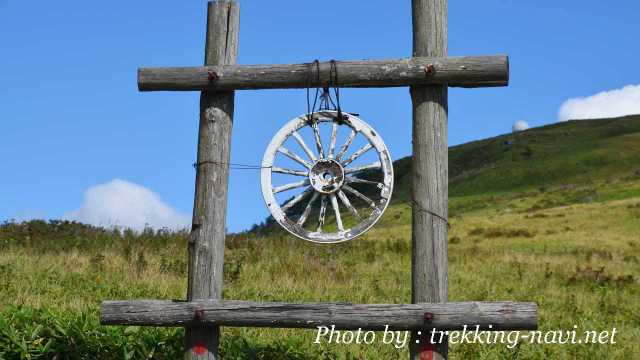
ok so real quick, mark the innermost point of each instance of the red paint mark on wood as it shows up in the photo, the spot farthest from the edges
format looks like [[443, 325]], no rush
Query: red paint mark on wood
[[200, 349], [427, 349], [199, 314], [428, 317]]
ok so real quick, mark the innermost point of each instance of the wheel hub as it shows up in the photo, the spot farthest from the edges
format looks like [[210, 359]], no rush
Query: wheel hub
[[326, 176]]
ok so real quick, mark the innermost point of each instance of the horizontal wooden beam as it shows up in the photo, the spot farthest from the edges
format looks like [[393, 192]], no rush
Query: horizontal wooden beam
[[442, 316], [480, 71]]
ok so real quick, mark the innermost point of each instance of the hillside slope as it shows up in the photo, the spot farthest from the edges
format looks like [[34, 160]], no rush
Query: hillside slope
[[573, 152], [571, 162]]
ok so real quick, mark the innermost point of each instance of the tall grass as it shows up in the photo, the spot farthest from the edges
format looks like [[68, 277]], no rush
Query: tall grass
[[506, 251]]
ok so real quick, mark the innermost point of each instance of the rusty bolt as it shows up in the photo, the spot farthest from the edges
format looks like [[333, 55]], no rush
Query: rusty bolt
[[199, 313], [212, 76], [428, 317], [429, 69]]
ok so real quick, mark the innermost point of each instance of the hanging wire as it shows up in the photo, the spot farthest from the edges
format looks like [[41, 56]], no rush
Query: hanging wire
[[324, 100], [232, 166], [333, 81], [310, 109]]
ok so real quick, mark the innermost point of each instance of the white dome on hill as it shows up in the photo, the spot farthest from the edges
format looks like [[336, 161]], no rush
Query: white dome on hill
[[520, 125]]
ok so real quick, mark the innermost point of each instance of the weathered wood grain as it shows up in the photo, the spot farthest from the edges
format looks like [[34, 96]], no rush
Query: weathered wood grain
[[206, 242], [444, 316], [429, 263], [481, 71]]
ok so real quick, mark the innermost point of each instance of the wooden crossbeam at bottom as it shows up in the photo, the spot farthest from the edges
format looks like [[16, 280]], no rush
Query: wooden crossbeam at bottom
[[444, 316]]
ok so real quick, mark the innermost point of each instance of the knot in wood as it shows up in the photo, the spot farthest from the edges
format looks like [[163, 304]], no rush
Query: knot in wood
[[191, 239]]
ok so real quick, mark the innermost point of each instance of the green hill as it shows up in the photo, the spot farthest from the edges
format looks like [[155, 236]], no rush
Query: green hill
[[574, 161], [547, 215], [568, 153]]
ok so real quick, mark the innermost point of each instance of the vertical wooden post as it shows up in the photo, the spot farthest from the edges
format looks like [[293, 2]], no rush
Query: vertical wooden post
[[429, 173], [206, 242]]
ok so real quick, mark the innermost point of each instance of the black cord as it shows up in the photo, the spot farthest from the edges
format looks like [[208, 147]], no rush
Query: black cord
[[336, 87], [232, 166], [326, 101], [311, 110]]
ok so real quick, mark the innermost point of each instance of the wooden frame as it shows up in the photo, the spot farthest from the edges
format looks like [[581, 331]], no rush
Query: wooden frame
[[429, 73], [449, 316], [479, 71], [429, 180], [206, 242]]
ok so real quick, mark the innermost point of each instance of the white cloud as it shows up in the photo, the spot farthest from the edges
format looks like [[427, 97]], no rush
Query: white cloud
[[607, 104], [128, 205], [520, 125]]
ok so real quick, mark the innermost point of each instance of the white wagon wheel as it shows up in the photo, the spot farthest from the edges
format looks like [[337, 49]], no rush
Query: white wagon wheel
[[329, 179]]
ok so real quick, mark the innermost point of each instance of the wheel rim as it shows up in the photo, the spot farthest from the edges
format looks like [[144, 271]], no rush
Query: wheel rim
[[332, 187]]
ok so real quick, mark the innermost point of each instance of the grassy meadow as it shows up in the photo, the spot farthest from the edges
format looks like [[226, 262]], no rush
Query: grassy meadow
[[550, 215]]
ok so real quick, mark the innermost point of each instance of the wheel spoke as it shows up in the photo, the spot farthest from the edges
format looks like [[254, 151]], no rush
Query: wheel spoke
[[336, 169], [351, 179], [289, 171], [303, 145], [375, 165], [345, 200], [316, 133], [291, 186], [293, 156], [307, 210], [346, 145], [359, 195], [323, 210], [357, 154], [296, 199], [336, 210], [332, 144]]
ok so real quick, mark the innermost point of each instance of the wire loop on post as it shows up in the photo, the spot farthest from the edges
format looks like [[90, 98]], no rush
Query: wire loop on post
[[421, 209]]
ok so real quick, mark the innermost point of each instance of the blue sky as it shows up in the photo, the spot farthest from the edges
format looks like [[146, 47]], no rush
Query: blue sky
[[71, 117]]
